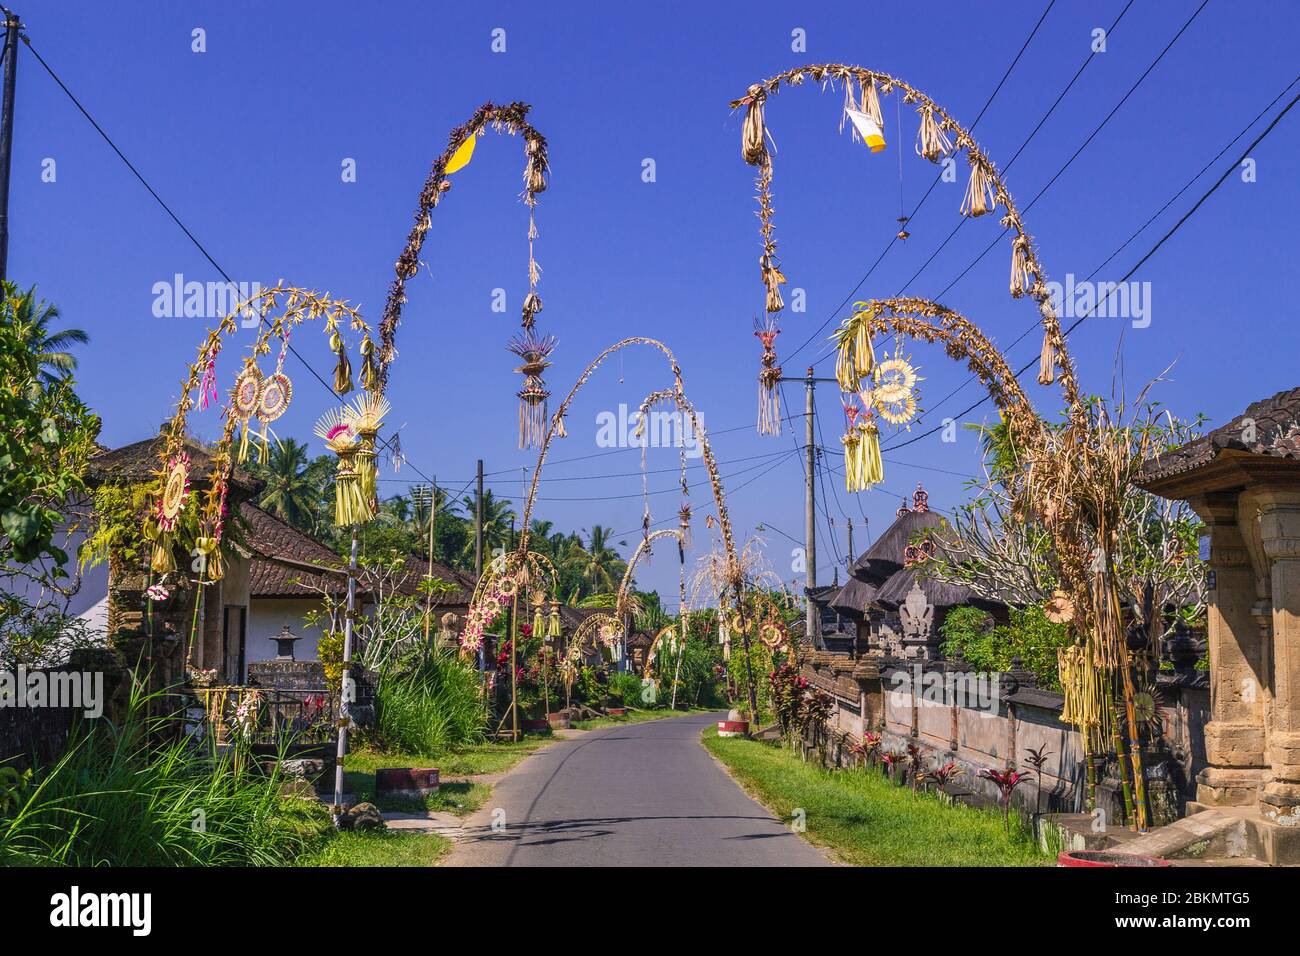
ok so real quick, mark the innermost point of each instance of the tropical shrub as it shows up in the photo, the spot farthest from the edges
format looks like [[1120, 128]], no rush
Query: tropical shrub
[[430, 703], [118, 797], [991, 647]]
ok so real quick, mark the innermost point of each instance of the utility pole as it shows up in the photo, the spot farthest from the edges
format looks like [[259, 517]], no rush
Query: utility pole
[[812, 625], [478, 523], [478, 555], [851, 555], [12, 25], [810, 514]]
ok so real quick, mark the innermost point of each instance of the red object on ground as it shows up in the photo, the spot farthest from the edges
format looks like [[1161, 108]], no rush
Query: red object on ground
[[406, 780], [733, 728], [617, 711], [1106, 858]]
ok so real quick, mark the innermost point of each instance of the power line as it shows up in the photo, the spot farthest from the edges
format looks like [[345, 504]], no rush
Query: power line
[[1163, 239]]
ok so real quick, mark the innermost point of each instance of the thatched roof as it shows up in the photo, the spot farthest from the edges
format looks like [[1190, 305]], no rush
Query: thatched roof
[[140, 461], [1222, 459], [894, 592], [885, 557], [854, 599]]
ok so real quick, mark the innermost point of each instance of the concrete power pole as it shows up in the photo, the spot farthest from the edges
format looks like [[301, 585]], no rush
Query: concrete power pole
[[478, 553]]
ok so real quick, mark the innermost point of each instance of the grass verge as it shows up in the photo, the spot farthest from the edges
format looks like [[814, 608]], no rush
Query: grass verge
[[868, 821], [378, 848]]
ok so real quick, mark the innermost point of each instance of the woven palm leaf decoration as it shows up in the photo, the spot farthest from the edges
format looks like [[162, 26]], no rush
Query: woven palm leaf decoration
[[161, 529], [335, 429], [366, 414], [245, 399], [769, 378], [534, 351], [878, 390]]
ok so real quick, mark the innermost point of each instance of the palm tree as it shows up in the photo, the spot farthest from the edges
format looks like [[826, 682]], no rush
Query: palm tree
[[498, 519], [598, 565], [34, 317], [293, 486]]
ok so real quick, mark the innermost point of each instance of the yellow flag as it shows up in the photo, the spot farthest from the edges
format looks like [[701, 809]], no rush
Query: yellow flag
[[460, 159]]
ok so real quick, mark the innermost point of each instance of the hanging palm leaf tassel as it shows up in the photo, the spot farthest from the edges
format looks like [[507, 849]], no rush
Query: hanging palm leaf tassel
[[1047, 360], [556, 625], [369, 371], [243, 443], [349, 505], [852, 460], [873, 469], [871, 103], [979, 199], [931, 141], [343, 367], [539, 622], [1022, 280], [752, 145]]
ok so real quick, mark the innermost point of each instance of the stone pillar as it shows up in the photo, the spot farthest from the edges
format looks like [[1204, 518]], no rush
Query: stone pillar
[[1234, 737], [1279, 527]]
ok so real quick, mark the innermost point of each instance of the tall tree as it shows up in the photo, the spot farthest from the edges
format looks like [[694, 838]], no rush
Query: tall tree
[[32, 318], [292, 486]]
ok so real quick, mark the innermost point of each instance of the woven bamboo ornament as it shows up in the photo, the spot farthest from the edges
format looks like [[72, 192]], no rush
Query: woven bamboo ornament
[[556, 625]]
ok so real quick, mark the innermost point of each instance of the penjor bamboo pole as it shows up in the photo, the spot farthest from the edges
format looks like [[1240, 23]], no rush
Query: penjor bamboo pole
[[1121, 758], [346, 692], [514, 668]]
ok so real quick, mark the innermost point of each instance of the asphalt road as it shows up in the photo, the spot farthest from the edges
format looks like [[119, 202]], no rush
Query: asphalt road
[[645, 794]]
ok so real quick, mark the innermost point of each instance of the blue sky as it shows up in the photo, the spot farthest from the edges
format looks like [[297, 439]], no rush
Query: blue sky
[[246, 142]]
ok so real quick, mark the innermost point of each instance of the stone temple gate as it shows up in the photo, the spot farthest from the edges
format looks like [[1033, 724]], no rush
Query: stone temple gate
[[1243, 479]]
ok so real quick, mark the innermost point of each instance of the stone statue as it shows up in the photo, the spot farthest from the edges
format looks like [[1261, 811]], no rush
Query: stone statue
[[917, 615]]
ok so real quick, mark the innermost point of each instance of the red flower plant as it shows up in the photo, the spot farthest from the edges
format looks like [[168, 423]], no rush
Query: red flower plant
[[1006, 781]]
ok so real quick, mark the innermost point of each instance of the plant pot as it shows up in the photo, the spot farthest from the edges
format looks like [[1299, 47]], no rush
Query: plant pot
[[1106, 858], [733, 728], [616, 711], [558, 720]]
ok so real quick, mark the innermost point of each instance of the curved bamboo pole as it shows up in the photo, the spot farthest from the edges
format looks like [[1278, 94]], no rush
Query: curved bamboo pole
[[734, 571], [510, 118], [1027, 274]]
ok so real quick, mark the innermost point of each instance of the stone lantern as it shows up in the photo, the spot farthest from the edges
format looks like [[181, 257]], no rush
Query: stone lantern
[[284, 644]]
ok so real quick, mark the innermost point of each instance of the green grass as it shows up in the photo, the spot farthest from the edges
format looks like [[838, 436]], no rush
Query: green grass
[[379, 848], [636, 716], [868, 821]]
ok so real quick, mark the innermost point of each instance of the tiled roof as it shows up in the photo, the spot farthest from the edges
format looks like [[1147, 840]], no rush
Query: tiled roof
[[284, 563], [1269, 427], [283, 557]]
